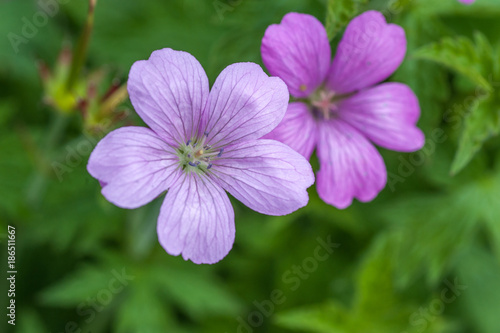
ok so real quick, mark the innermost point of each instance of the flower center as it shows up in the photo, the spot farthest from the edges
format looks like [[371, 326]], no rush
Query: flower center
[[325, 103], [196, 155]]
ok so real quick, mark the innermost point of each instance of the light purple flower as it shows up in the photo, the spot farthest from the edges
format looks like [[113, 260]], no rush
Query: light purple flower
[[199, 144], [339, 108], [468, 2]]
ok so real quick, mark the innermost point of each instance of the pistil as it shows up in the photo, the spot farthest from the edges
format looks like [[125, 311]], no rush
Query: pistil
[[196, 154]]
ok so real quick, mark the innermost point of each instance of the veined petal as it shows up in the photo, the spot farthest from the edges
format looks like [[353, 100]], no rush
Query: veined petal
[[369, 52], [134, 165], [244, 104], [265, 175], [350, 166], [298, 51], [197, 220], [169, 92], [298, 130], [387, 115]]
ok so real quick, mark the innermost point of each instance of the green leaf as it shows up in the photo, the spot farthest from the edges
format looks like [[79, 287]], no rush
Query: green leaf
[[323, 318], [339, 13], [428, 80], [480, 273], [142, 229], [78, 286], [143, 311], [377, 306], [460, 54], [14, 172], [481, 124], [194, 290], [440, 222], [481, 198], [482, 8], [29, 321]]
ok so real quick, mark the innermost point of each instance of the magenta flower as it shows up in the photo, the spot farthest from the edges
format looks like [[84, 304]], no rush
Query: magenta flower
[[199, 145], [338, 108]]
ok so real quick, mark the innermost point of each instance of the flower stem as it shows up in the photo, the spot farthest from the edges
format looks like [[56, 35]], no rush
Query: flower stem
[[80, 52]]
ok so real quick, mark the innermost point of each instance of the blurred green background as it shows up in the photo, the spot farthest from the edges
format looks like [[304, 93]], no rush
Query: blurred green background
[[422, 257]]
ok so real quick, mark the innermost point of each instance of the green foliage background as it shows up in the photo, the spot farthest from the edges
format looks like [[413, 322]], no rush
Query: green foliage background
[[436, 224]]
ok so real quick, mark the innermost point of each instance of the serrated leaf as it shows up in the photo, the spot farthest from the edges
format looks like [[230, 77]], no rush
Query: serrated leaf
[[339, 13], [439, 222], [462, 55], [323, 318], [378, 307], [480, 124]]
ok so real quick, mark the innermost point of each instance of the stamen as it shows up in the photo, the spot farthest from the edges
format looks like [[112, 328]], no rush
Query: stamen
[[199, 153], [202, 142]]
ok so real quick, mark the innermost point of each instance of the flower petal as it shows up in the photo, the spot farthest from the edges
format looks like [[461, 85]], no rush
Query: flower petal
[[169, 92], [298, 51], [265, 175], [134, 166], [351, 167], [387, 115], [197, 220], [369, 52], [244, 104], [298, 130]]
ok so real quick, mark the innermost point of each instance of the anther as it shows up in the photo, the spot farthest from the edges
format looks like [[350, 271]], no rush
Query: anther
[[209, 166], [220, 152], [192, 164], [188, 142]]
